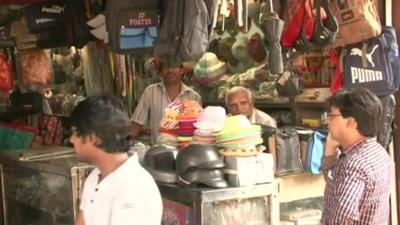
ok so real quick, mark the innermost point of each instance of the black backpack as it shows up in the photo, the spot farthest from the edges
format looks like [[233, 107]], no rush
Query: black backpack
[[374, 64], [132, 26], [184, 33]]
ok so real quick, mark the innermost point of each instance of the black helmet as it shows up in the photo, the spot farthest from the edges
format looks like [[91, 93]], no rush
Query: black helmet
[[198, 156], [210, 177], [160, 162]]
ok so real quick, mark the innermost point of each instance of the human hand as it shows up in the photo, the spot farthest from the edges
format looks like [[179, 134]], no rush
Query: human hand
[[331, 145]]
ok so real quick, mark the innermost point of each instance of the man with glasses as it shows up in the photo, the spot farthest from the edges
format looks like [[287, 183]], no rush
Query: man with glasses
[[356, 167], [239, 100]]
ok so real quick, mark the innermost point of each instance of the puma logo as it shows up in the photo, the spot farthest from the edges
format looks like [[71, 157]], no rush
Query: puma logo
[[357, 51], [53, 9], [44, 20]]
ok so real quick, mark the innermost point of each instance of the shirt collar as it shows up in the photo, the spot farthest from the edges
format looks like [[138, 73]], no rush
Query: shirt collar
[[120, 172], [184, 88], [356, 147]]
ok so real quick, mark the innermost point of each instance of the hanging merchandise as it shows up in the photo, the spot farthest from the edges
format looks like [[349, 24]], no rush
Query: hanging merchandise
[[6, 40], [51, 130], [78, 33], [130, 84], [34, 68], [208, 70], [226, 20], [256, 48], [224, 48], [337, 82], [97, 70], [272, 27], [358, 21], [23, 39], [297, 22], [310, 28], [290, 84], [19, 2], [325, 29], [9, 14], [184, 34], [315, 152], [287, 151], [132, 26], [385, 132], [99, 30], [28, 103], [45, 15], [373, 64], [49, 22], [6, 74], [241, 53]]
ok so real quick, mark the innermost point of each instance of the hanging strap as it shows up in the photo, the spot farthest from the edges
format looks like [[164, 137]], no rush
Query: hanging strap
[[364, 54]]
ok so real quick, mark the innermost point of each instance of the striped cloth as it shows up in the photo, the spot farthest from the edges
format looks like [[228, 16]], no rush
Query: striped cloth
[[358, 190], [152, 103]]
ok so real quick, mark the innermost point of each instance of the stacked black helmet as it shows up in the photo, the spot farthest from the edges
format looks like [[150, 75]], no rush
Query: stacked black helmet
[[200, 164], [160, 161]]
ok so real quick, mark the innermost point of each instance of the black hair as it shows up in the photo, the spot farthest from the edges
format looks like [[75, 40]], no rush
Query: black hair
[[361, 104], [105, 117]]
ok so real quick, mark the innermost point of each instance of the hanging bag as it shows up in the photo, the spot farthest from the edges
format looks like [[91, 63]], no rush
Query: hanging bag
[[373, 64], [315, 151], [290, 84], [287, 151], [358, 21], [132, 25], [184, 34]]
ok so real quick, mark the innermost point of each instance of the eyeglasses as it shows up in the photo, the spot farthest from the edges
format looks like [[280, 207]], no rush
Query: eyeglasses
[[330, 115]]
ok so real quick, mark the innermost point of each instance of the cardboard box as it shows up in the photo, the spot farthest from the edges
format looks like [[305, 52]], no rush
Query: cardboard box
[[250, 170]]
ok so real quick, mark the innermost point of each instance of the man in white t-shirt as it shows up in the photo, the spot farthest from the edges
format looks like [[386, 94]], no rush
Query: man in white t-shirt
[[118, 191], [239, 100]]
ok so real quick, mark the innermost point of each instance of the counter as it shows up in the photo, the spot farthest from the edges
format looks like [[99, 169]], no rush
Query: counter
[[258, 204]]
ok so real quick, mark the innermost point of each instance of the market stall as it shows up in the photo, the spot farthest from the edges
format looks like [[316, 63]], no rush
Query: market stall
[[41, 186], [265, 46]]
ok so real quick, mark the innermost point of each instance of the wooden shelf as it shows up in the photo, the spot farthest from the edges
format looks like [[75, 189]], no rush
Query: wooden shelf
[[316, 105], [258, 104]]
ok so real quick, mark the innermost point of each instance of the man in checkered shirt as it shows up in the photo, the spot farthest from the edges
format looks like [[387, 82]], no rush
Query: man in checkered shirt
[[356, 167]]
